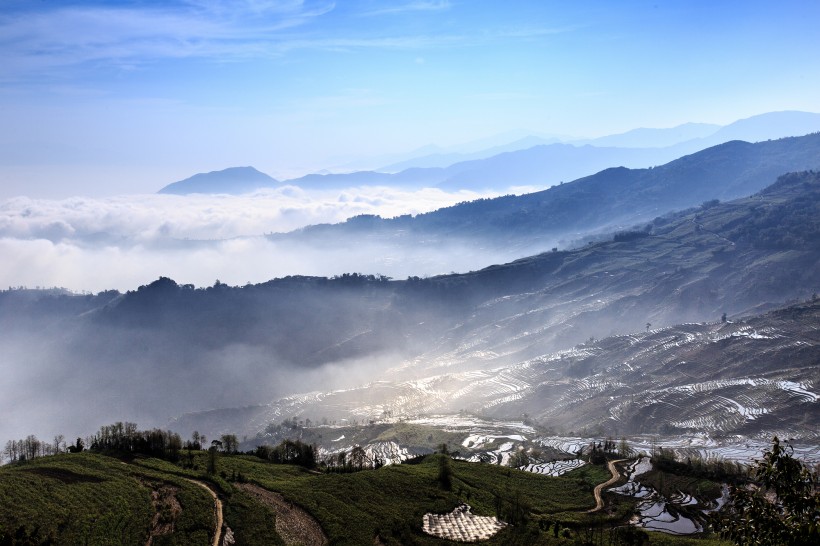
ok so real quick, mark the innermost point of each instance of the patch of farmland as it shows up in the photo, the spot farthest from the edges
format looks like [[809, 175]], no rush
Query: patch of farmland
[[383, 453], [554, 468], [653, 509], [461, 525]]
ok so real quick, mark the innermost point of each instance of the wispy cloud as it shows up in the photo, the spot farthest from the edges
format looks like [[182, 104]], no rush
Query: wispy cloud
[[506, 96], [37, 43], [432, 5], [35, 40]]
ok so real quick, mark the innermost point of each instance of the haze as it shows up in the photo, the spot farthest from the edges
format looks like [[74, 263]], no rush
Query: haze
[[121, 242], [103, 103], [104, 98]]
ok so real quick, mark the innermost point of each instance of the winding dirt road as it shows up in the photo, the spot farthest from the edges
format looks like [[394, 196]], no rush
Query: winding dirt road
[[217, 510], [599, 502]]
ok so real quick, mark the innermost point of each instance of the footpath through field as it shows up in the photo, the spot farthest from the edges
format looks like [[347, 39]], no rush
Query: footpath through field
[[599, 502], [217, 510]]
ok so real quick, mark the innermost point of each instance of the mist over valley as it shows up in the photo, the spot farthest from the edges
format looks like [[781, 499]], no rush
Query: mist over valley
[[169, 348], [409, 273]]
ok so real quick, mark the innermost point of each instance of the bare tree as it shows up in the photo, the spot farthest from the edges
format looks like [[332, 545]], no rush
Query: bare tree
[[59, 444]]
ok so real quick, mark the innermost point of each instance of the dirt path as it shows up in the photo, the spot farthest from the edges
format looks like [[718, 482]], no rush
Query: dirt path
[[293, 524], [599, 501], [217, 509]]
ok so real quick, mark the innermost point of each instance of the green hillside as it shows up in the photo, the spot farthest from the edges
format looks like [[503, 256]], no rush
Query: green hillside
[[90, 498]]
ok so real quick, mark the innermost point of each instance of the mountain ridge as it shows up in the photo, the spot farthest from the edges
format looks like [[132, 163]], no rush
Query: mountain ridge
[[534, 161], [610, 198]]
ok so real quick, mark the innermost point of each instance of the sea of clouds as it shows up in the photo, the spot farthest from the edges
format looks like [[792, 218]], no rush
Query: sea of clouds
[[93, 244]]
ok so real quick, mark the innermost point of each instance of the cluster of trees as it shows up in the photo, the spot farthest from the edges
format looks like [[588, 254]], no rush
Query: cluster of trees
[[120, 438], [289, 452], [31, 447], [599, 452], [523, 457], [716, 469], [354, 461], [359, 278], [127, 438]]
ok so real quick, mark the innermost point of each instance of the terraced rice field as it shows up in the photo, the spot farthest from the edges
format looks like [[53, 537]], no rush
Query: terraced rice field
[[461, 525], [653, 509], [554, 468]]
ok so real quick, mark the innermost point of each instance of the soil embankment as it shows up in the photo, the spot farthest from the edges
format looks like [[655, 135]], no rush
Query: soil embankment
[[293, 524]]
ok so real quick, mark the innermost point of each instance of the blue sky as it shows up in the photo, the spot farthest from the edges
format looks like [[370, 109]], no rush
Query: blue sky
[[101, 98]]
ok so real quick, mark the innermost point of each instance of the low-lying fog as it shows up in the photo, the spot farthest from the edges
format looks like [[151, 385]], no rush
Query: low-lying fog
[[122, 242], [59, 381], [51, 386]]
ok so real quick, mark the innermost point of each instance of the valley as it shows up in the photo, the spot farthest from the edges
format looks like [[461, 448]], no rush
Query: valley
[[692, 338]]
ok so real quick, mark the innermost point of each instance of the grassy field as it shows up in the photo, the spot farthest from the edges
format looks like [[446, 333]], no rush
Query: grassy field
[[94, 499]]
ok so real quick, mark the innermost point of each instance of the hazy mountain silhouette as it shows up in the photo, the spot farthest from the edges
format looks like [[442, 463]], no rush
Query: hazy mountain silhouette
[[658, 138], [526, 161], [771, 125], [613, 197], [661, 145], [443, 159], [233, 180]]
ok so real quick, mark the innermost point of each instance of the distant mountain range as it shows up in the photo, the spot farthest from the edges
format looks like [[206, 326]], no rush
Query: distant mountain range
[[611, 199], [685, 138], [526, 161], [167, 349]]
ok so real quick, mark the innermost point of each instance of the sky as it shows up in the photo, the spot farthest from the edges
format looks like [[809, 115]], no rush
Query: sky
[[103, 103], [107, 98]]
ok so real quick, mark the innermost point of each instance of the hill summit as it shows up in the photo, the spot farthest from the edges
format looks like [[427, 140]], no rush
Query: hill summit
[[233, 180]]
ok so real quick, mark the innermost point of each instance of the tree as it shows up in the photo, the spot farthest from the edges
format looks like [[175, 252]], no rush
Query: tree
[[782, 507], [358, 457], [77, 447], [519, 458], [445, 471], [212, 459], [623, 448], [230, 442], [59, 440]]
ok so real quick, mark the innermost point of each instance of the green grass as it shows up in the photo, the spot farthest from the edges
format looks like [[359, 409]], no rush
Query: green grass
[[250, 521], [75, 498], [421, 436], [93, 499]]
